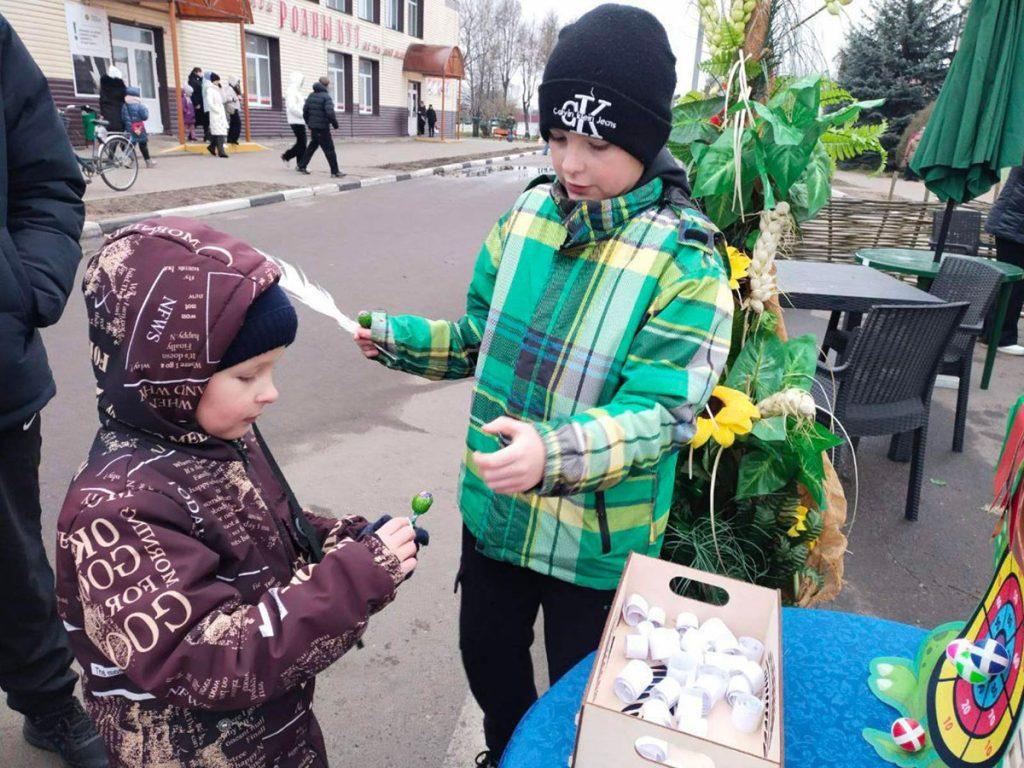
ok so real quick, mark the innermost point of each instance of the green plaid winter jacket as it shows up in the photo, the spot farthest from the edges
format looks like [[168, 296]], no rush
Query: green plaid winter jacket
[[606, 324]]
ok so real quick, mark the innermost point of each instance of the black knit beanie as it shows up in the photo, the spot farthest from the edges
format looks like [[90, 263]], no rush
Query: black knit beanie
[[270, 322], [611, 76]]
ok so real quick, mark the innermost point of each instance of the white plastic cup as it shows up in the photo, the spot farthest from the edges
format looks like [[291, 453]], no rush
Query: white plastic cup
[[633, 681], [637, 647], [747, 713], [656, 615], [667, 690], [657, 712], [664, 644], [635, 610], [752, 648]]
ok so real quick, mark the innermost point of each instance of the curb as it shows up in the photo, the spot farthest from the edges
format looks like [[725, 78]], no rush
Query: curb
[[94, 229]]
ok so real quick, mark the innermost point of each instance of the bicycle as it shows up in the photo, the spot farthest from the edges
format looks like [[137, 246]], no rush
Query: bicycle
[[113, 155]]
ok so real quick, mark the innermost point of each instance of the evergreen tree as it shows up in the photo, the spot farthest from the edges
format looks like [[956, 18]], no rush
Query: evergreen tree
[[901, 54]]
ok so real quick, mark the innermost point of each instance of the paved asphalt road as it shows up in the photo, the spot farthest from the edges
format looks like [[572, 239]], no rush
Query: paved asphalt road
[[355, 437]]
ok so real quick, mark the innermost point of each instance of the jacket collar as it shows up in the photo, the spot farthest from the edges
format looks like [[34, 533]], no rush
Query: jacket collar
[[589, 221]]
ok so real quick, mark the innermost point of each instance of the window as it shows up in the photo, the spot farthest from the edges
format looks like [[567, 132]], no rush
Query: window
[[257, 62], [366, 10], [392, 16], [339, 5], [415, 18], [367, 87], [336, 69]]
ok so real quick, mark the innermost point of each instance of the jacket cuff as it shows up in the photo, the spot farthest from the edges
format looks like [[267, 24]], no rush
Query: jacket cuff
[[384, 558], [551, 483]]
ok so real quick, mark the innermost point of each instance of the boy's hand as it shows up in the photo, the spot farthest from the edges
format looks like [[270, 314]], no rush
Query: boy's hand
[[398, 536], [362, 338], [518, 467]]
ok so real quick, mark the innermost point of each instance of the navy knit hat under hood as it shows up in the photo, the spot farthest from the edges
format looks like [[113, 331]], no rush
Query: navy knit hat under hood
[[270, 322]]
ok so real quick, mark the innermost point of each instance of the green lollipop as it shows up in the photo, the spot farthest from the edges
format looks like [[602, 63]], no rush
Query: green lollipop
[[364, 318], [420, 504]]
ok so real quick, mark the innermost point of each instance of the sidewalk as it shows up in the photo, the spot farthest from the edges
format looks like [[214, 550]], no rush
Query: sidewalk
[[862, 184], [187, 178]]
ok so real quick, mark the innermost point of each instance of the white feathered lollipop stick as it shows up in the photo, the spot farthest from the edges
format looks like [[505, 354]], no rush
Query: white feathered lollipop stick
[[314, 296]]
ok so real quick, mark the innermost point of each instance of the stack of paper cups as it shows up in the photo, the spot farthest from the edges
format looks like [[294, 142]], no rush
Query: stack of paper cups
[[752, 648], [718, 636], [657, 712], [664, 644], [633, 681], [667, 690], [656, 616], [683, 668], [747, 713], [738, 684], [636, 647], [651, 748], [635, 610]]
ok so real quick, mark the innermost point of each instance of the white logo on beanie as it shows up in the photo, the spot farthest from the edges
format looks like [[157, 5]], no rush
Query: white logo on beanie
[[578, 115]]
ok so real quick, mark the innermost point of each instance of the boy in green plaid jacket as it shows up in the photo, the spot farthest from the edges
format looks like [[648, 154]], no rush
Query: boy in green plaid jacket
[[598, 321]]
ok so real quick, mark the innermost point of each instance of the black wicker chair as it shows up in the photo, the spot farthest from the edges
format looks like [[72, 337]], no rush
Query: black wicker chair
[[884, 384], [964, 235], [976, 282]]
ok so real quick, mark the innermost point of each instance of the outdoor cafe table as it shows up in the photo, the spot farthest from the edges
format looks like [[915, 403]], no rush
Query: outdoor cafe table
[[921, 263], [826, 699], [849, 288]]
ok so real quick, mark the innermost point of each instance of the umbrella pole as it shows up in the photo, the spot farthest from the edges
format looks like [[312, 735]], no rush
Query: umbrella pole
[[944, 229]]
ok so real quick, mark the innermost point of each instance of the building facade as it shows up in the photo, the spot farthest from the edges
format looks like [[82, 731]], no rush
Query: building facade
[[360, 44]]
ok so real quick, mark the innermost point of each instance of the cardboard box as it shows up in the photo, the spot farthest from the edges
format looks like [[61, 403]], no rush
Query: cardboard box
[[605, 737]]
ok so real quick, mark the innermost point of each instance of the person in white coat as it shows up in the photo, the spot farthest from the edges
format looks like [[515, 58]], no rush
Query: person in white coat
[[294, 100], [233, 106], [213, 101]]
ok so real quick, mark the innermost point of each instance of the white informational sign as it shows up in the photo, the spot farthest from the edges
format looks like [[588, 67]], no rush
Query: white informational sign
[[88, 30], [432, 92]]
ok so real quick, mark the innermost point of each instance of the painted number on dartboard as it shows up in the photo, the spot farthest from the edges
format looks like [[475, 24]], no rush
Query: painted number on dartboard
[[947, 724], [965, 708]]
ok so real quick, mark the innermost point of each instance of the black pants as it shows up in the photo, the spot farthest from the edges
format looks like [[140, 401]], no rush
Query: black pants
[[216, 146], [299, 147], [234, 126], [1011, 252], [35, 659], [144, 149], [321, 138], [499, 607], [430, 127]]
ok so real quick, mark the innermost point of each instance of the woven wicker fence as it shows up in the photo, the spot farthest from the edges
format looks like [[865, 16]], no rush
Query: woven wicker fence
[[848, 224]]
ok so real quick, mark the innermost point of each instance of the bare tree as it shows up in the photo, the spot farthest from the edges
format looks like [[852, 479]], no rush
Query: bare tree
[[477, 33], [547, 36], [507, 16], [530, 67]]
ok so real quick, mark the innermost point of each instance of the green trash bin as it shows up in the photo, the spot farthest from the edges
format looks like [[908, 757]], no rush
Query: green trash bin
[[89, 125]]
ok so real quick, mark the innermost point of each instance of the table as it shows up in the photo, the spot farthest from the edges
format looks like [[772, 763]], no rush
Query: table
[[842, 287], [921, 263], [826, 699]]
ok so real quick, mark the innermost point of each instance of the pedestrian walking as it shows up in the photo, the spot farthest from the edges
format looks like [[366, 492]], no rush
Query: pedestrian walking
[[196, 80], [232, 93], [421, 119], [41, 218], [318, 112], [188, 112], [1006, 222], [134, 115], [112, 92], [294, 100], [213, 102], [431, 120]]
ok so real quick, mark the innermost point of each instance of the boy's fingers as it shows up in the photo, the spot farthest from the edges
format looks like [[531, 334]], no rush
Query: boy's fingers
[[406, 551], [503, 425], [408, 566], [496, 460], [502, 476]]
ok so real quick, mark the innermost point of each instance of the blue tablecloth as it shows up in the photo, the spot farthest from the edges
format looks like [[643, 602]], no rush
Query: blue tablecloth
[[825, 690]]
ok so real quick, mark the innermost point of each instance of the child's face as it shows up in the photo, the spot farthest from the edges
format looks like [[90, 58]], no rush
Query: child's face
[[235, 397], [592, 169]]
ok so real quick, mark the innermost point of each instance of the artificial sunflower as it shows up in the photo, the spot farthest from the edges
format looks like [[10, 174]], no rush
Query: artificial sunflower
[[729, 413], [739, 266], [799, 522]]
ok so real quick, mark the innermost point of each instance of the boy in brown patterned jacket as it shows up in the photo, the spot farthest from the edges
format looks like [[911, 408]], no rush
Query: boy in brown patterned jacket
[[200, 600]]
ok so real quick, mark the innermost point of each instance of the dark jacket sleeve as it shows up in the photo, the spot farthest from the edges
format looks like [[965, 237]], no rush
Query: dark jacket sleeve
[[329, 113], [187, 637], [1006, 219], [305, 111], [45, 212]]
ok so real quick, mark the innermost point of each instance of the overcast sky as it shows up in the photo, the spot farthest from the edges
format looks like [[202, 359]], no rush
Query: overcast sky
[[680, 20]]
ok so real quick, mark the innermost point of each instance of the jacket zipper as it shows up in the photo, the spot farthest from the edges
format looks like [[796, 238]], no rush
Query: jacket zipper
[[602, 524], [282, 531]]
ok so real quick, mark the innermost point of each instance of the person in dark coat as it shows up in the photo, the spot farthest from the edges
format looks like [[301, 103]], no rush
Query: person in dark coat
[[318, 112], [431, 120], [41, 217], [195, 79], [112, 93], [1006, 222], [421, 119]]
